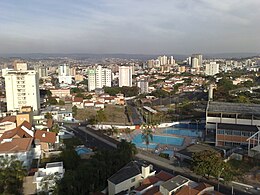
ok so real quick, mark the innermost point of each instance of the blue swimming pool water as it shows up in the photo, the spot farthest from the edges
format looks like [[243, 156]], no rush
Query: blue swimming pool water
[[83, 150], [183, 132], [157, 139]]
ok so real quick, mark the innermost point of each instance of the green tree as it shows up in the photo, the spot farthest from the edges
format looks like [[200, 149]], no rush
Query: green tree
[[74, 110], [55, 128], [210, 163], [147, 134], [48, 115], [11, 176], [101, 116], [48, 93], [243, 99], [52, 101], [61, 102]]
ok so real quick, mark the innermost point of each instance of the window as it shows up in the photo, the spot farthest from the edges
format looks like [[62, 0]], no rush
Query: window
[[237, 133], [221, 132], [133, 180], [228, 132], [246, 134]]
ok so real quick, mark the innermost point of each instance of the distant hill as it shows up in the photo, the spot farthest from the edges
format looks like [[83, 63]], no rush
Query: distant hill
[[142, 57]]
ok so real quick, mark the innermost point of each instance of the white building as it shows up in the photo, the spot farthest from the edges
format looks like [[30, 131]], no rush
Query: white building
[[129, 177], [163, 60], [52, 172], [143, 84], [99, 77], [125, 76], [42, 71], [22, 89], [195, 63], [21, 148], [199, 57], [212, 68], [64, 74]]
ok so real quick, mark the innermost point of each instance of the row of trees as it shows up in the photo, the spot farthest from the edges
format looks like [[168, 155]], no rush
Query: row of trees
[[127, 91]]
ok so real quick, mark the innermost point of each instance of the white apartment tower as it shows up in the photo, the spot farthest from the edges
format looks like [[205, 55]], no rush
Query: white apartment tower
[[125, 76], [212, 68], [99, 77], [64, 74], [199, 57], [22, 88]]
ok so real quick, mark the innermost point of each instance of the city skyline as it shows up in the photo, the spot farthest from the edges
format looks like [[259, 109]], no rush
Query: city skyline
[[144, 27]]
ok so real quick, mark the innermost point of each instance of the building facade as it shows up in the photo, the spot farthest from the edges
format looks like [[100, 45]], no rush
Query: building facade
[[125, 76], [212, 68], [99, 77], [22, 89]]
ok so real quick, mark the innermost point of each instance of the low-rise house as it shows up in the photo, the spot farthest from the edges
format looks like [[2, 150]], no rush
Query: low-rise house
[[99, 105], [48, 175], [46, 140], [25, 130], [21, 148], [89, 104], [172, 185], [129, 177], [77, 101], [7, 123]]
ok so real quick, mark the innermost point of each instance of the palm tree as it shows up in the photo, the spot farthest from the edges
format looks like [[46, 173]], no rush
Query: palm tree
[[147, 134]]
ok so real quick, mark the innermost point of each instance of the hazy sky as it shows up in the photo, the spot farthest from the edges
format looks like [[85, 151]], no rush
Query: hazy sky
[[129, 26]]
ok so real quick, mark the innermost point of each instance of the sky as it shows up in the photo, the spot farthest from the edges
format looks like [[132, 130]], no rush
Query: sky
[[129, 26]]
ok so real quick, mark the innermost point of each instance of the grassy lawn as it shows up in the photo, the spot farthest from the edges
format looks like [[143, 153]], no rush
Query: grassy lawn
[[113, 113]]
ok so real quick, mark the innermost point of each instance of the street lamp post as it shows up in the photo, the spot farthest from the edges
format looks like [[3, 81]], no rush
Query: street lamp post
[[219, 176]]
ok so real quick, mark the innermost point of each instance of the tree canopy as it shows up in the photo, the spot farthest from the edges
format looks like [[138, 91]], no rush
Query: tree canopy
[[11, 176]]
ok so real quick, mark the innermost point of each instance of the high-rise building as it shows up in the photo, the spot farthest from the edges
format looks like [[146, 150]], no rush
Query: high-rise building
[[195, 63], [42, 71], [22, 89], [64, 74], [91, 79], [199, 57], [99, 77], [212, 68], [125, 76], [143, 84], [163, 60]]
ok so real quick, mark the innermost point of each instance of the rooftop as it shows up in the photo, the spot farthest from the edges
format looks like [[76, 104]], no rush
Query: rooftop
[[237, 127], [175, 182], [238, 108], [130, 170], [45, 136], [188, 151], [16, 145]]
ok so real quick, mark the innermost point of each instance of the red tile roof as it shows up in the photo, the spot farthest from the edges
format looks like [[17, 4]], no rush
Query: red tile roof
[[152, 191], [16, 145], [9, 119], [186, 190], [78, 99], [202, 186], [45, 136], [164, 176], [17, 131]]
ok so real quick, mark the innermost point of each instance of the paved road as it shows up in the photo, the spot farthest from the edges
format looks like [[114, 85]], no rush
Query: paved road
[[135, 117], [88, 140]]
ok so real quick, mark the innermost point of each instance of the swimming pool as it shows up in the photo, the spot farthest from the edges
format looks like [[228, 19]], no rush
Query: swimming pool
[[157, 139], [184, 132], [83, 150]]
